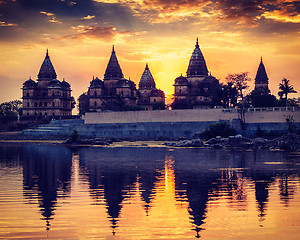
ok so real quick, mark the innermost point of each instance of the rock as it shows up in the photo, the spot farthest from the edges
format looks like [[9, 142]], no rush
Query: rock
[[259, 142], [216, 140], [239, 141], [170, 144], [190, 143], [289, 142]]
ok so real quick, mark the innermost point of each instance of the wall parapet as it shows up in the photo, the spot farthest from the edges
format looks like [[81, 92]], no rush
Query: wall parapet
[[252, 115]]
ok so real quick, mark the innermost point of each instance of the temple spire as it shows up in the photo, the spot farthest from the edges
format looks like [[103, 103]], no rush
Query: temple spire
[[47, 70], [261, 79], [113, 69], [147, 80], [197, 65]]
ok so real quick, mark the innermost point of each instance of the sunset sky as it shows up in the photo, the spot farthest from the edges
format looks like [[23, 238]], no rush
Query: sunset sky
[[233, 35]]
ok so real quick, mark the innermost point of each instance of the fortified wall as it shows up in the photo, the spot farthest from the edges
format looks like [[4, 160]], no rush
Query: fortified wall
[[169, 123]]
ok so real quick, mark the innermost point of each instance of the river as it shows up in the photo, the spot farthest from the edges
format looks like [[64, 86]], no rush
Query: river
[[50, 191]]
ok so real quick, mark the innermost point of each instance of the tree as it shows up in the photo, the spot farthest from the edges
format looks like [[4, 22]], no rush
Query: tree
[[285, 89], [259, 98], [84, 104], [229, 95], [181, 104], [239, 81], [12, 108], [159, 106]]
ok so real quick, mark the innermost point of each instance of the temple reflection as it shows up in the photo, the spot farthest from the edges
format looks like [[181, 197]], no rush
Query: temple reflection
[[113, 174], [194, 178], [194, 185], [46, 171]]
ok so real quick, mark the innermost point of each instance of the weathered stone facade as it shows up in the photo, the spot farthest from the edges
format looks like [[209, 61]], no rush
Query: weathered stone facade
[[114, 92], [117, 93], [196, 90], [47, 96]]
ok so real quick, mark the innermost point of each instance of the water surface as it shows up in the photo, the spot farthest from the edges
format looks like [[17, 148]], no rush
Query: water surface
[[55, 192]]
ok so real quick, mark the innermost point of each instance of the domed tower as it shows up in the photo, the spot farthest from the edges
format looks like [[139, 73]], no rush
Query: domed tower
[[113, 93], [95, 92], [150, 98], [197, 89], [113, 74], [261, 79], [181, 87], [147, 81], [48, 96]]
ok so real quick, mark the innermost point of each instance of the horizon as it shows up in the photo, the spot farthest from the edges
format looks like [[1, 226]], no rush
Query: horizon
[[80, 34]]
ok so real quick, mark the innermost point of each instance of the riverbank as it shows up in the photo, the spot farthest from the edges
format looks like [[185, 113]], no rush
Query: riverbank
[[289, 142]]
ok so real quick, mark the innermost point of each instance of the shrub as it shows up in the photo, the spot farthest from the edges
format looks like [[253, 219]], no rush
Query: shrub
[[222, 129], [74, 136]]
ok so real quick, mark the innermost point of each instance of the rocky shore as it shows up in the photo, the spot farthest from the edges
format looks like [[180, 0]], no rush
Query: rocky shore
[[289, 142], [286, 142]]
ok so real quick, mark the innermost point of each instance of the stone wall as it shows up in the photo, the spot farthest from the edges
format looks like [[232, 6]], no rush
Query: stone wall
[[192, 115], [167, 124]]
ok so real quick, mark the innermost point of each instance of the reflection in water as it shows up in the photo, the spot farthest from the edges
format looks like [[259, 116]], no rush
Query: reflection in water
[[46, 170], [200, 180]]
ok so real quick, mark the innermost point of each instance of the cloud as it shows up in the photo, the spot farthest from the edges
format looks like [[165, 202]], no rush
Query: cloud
[[88, 17], [4, 24], [81, 32], [51, 17]]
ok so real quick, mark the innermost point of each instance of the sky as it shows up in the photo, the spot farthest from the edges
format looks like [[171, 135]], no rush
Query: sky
[[233, 36]]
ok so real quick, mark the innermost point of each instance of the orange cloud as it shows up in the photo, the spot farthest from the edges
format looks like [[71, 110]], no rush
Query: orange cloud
[[4, 24], [88, 17], [95, 32], [51, 17]]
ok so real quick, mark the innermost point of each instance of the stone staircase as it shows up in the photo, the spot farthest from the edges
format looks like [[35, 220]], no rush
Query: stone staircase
[[55, 128]]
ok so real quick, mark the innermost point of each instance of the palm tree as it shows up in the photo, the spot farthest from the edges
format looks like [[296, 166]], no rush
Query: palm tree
[[285, 88]]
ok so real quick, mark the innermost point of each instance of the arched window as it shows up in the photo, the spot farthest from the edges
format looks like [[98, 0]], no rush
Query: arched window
[[95, 93], [41, 104], [45, 104], [27, 104], [35, 104], [53, 104], [52, 93], [179, 90], [154, 100], [95, 103], [27, 94]]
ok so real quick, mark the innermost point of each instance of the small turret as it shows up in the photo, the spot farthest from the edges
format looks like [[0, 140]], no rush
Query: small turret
[[47, 70]]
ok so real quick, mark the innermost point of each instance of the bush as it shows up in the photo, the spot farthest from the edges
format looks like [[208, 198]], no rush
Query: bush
[[222, 129], [74, 136]]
